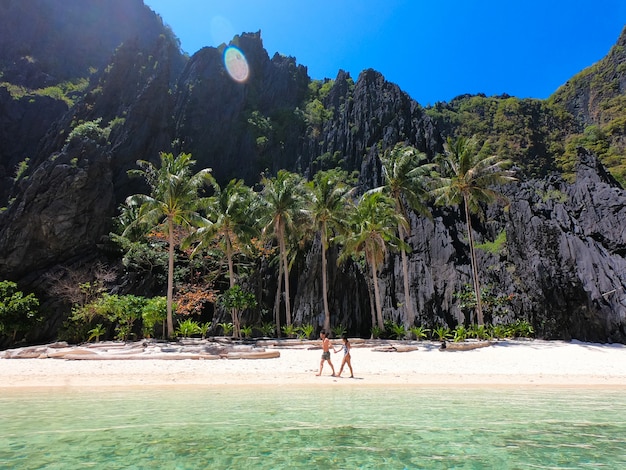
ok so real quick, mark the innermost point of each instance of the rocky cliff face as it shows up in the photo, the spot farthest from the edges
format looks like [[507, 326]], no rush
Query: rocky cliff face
[[49, 50], [240, 129], [562, 265], [586, 94]]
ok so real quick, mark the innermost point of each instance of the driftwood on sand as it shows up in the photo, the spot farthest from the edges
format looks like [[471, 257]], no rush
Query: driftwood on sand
[[191, 349], [464, 345]]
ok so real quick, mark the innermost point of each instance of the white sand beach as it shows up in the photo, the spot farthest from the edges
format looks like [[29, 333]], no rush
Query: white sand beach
[[506, 363]]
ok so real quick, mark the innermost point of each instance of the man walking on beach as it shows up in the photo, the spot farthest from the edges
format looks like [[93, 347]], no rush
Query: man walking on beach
[[326, 353]]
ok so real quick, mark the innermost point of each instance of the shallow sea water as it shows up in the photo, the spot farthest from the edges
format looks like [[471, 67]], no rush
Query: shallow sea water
[[297, 427]]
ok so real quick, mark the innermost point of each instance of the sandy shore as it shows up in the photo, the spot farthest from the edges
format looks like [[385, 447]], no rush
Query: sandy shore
[[507, 363]]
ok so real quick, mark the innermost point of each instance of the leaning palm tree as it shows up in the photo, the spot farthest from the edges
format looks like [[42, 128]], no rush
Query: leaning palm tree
[[373, 223], [327, 207], [406, 180], [172, 202], [230, 221], [469, 178], [284, 199]]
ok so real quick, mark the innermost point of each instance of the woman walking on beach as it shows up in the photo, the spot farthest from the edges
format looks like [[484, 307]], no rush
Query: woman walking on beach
[[346, 356]]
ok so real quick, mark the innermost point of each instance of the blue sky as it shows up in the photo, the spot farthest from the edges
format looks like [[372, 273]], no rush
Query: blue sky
[[434, 50]]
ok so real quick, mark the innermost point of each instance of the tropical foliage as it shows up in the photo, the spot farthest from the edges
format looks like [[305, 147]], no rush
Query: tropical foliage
[[173, 201], [407, 177], [18, 311], [207, 242], [372, 231], [284, 215], [471, 179], [328, 209]]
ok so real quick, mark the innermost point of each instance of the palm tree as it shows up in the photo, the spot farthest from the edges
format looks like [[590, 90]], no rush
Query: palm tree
[[172, 202], [469, 178], [405, 180], [328, 211], [284, 199], [373, 224], [231, 222]]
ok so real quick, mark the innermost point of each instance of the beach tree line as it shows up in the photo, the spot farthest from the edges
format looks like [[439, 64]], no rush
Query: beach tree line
[[215, 240]]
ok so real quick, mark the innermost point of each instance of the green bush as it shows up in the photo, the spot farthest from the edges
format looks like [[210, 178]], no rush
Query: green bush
[[305, 331], [119, 311], [153, 313], [90, 130], [267, 329], [419, 332], [441, 333], [188, 328], [246, 331], [18, 312]]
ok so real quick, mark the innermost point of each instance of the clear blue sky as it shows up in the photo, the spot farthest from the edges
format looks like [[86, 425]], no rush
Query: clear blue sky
[[434, 50]]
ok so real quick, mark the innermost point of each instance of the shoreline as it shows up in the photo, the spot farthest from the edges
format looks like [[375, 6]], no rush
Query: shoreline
[[510, 363]]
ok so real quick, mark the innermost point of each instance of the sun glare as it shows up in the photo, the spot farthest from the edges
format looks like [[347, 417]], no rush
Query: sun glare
[[236, 64]]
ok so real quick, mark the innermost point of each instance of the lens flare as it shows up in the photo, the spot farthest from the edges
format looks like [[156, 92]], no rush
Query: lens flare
[[236, 64]]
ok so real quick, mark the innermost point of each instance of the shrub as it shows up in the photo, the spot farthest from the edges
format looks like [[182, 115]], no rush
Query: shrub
[[419, 332], [305, 331], [338, 331], [18, 312], [188, 328], [441, 333], [154, 312], [397, 330], [246, 331], [90, 130], [267, 329]]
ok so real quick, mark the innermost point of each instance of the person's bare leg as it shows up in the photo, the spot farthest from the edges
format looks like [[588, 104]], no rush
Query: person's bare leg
[[341, 368], [350, 366], [321, 367], [332, 367]]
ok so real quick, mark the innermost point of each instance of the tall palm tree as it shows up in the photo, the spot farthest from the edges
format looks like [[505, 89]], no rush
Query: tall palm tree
[[231, 223], [373, 223], [469, 178], [284, 198], [406, 179], [172, 202], [328, 206]]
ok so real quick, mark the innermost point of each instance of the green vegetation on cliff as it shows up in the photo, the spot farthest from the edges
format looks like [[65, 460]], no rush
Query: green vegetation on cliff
[[597, 99], [530, 132]]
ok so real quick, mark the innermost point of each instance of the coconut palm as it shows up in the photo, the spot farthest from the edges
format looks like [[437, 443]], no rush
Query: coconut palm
[[373, 224], [327, 207], [405, 179], [172, 202], [284, 199], [469, 178], [231, 223]]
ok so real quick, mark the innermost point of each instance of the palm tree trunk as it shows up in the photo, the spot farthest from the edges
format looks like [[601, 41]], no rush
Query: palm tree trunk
[[231, 274], [170, 278], [325, 281], [283, 255], [476, 281], [379, 311], [277, 298], [409, 312], [369, 282]]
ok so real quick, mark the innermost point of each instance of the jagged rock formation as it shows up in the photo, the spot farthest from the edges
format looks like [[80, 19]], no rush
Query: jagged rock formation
[[595, 97], [240, 129], [562, 264], [48, 48], [586, 94]]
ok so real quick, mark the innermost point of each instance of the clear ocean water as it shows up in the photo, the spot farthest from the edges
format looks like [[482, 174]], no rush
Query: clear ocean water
[[298, 427]]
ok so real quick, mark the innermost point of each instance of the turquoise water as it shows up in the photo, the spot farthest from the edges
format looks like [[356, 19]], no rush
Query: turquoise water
[[335, 427]]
